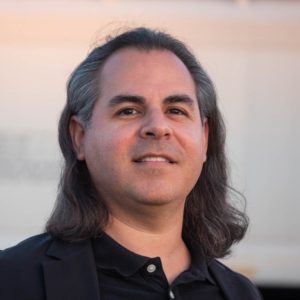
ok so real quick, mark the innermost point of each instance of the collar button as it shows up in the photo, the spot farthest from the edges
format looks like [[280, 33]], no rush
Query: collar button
[[151, 268]]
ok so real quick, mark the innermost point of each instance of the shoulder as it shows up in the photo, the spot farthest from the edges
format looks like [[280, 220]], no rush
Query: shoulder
[[21, 269], [233, 282], [26, 255], [233, 276], [30, 249]]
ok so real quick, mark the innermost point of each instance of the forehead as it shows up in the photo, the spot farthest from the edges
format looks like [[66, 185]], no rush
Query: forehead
[[134, 71]]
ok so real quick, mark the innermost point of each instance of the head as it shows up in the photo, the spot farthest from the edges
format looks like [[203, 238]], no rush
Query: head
[[210, 221]]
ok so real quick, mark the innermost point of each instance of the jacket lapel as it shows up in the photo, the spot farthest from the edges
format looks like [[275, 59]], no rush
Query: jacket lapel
[[234, 286], [71, 273], [219, 272]]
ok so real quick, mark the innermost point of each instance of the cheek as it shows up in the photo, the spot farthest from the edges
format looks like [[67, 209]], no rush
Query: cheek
[[195, 153], [109, 147], [192, 140], [199, 139]]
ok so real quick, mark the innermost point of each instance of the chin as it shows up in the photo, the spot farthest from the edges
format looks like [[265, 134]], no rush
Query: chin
[[157, 199], [154, 202]]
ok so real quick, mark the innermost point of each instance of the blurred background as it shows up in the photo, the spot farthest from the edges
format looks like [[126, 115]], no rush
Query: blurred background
[[250, 48]]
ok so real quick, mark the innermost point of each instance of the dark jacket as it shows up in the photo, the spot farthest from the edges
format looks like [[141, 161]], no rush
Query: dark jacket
[[45, 268]]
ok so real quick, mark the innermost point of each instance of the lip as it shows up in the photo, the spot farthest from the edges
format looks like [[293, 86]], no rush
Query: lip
[[155, 158]]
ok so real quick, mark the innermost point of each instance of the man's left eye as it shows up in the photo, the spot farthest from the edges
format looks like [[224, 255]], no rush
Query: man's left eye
[[176, 111]]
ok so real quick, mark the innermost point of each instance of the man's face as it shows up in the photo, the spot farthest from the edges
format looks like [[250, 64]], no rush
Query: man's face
[[145, 144]]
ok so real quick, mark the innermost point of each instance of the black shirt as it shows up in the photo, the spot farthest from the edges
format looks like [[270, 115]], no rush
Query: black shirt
[[123, 274]]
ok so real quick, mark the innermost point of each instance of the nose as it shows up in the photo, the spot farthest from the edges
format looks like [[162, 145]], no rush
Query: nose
[[155, 126]]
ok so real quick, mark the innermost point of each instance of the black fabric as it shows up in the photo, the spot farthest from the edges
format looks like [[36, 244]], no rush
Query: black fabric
[[44, 268], [123, 274]]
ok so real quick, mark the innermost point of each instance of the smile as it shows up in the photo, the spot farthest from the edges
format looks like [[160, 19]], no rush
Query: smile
[[155, 158]]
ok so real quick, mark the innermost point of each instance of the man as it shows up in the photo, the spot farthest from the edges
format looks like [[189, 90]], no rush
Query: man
[[142, 211]]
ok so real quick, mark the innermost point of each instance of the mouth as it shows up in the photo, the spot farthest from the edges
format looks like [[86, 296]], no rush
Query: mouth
[[155, 158]]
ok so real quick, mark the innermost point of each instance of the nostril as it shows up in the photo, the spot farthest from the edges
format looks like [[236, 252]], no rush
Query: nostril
[[149, 133]]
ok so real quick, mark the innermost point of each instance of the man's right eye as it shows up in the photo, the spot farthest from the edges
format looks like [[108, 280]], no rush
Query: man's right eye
[[127, 112]]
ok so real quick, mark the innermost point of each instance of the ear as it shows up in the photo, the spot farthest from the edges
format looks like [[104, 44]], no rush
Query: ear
[[205, 136], [77, 132]]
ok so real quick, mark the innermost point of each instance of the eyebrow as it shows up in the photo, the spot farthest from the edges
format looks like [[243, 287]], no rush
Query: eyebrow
[[180, 98], [119, 99]]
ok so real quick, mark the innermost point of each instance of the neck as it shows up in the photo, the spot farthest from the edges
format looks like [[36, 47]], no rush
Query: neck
[[164, 241]]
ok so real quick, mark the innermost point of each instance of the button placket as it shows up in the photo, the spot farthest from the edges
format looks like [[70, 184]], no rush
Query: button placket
[[171, 295]]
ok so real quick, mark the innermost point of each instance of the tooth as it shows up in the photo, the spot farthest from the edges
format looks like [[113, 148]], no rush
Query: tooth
[[154, 159]]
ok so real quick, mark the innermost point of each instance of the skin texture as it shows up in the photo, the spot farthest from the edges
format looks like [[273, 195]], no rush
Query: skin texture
[[145, 148]]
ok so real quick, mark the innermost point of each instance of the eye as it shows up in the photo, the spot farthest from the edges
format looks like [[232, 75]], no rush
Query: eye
[[176, 111], [128, 112]]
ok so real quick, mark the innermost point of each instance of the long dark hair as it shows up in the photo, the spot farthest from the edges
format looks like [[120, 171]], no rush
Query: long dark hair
[[210, 220]]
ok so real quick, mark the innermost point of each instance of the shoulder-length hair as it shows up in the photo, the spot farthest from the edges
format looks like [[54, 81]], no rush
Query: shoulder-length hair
[[210, 220]]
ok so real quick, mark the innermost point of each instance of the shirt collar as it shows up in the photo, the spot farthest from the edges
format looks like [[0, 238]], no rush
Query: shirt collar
[[199, 264], [111, 255]]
